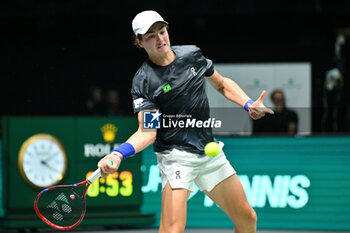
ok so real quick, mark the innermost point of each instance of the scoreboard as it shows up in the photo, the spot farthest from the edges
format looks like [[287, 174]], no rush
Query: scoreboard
[[71, 147]]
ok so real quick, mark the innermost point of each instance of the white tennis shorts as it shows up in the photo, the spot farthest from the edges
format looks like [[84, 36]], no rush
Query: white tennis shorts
[[182, 169]]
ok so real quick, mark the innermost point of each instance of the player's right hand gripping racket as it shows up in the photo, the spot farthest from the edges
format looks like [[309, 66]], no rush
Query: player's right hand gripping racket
[[63, 206]]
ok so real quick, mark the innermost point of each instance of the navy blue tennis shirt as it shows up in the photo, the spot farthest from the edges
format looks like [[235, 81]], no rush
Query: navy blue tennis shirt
[[176, 89]]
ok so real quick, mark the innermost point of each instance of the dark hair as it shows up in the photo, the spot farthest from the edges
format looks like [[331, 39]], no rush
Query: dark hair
[[139, 36], [272, 96], [134, 42]]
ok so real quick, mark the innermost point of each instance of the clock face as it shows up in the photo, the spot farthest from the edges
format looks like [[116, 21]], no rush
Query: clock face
[[42, 161]]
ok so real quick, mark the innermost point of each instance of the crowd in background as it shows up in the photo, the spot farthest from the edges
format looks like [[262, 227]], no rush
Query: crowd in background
[[100, 102], [57, 54]]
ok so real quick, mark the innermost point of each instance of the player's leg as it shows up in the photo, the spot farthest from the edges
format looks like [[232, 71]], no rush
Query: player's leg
[[174, 210], [230, 196]]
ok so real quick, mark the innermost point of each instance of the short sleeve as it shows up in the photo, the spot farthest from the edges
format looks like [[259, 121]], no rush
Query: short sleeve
[[210, 68], [140, 95]]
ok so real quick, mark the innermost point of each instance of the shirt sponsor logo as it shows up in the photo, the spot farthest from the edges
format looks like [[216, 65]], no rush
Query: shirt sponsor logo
[[193, 70], [138, 102]]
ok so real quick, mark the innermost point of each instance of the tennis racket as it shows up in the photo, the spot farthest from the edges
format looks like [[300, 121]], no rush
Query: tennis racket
[[63, 207]]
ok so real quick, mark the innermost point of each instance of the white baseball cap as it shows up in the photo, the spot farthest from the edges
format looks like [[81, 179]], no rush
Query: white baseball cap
[[144, 20]]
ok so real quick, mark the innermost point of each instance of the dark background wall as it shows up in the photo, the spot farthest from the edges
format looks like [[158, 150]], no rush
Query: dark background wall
[[52, 50]]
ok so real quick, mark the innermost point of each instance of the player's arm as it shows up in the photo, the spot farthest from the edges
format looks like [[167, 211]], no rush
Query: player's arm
[[233, 92], [141, 139]]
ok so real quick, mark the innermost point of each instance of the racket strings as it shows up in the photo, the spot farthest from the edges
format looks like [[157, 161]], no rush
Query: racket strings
[[61, 206]]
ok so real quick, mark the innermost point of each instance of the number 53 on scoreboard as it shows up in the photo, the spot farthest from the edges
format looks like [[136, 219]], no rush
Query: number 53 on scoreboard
[[112, 185]]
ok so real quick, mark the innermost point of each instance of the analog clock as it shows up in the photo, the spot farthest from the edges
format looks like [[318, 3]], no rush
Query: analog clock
[[42, 161]]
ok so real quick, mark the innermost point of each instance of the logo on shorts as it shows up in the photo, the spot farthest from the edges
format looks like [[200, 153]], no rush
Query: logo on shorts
[[177, 173], [151, 119]]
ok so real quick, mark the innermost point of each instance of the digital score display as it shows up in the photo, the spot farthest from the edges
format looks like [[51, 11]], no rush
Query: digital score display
[[97, 138], [112, 185]]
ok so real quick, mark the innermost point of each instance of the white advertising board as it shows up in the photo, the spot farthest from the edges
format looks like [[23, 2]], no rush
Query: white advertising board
[[294, 79]]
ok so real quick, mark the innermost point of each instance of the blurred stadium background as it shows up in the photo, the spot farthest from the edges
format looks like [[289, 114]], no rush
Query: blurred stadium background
[[55, 52]]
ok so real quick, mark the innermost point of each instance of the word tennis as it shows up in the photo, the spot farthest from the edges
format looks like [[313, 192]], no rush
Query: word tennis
[[155, 120]]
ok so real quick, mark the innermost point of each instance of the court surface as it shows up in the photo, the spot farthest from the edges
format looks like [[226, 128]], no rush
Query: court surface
[[188, 230], [213, 230]]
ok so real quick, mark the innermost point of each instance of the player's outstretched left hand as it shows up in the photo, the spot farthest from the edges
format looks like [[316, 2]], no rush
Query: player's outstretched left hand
[[258, 110]]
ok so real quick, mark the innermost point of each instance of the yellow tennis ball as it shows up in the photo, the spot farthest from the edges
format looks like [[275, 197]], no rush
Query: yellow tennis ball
[[212, 149]]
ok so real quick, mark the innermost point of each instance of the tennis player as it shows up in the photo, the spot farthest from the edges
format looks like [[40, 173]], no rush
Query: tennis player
[[171, 81]]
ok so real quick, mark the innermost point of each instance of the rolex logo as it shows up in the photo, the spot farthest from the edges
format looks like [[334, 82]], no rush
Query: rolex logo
[[109, 131]]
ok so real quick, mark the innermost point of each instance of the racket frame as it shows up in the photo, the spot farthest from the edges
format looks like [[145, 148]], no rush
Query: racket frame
[[93, 177]]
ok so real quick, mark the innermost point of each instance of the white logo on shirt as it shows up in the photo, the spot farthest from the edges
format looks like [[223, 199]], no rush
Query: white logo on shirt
[[193, 70], [138, 102]]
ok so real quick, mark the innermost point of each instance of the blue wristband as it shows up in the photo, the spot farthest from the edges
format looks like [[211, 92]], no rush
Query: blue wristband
[[246, 104], [126, 149]]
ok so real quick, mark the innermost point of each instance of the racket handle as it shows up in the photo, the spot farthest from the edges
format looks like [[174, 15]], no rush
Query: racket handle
[[94, 176]]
